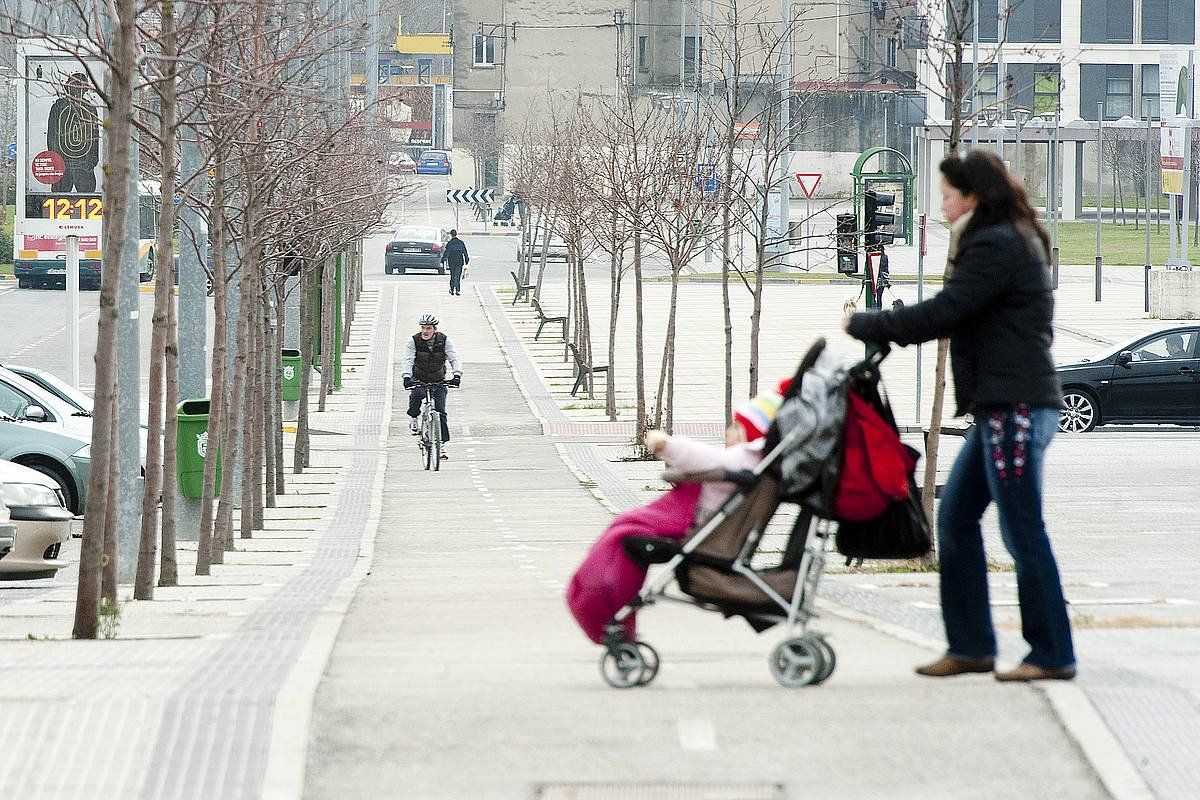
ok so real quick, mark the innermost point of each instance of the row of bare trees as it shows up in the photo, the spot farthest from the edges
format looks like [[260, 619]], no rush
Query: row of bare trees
[[287, 182]]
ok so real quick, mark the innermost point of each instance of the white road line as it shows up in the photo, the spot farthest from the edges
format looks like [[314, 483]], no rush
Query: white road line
[[697, 734]]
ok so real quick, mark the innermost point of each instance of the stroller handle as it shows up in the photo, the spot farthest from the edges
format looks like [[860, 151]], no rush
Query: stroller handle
[[876, 353]]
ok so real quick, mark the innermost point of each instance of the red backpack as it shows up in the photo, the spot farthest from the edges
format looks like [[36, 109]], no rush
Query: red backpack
[[875, 464]]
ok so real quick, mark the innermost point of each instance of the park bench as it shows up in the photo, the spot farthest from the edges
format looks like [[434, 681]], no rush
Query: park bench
[[585, 370], [545, 320], [522, 288]]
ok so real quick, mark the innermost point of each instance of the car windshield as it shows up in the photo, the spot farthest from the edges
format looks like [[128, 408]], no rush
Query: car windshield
[[59, 387], [434, 155], [416, 234]]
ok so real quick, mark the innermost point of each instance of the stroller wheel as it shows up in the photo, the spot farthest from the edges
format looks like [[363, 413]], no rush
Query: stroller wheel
[[623, 666], [797, 662], [650, 659], [829, 657]]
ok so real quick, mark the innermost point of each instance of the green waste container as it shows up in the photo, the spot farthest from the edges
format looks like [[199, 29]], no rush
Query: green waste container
[[289, 376], [192, 448]]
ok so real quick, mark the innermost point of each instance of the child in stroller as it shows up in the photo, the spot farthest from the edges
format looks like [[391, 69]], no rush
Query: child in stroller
[[609, 577], [715, 567]]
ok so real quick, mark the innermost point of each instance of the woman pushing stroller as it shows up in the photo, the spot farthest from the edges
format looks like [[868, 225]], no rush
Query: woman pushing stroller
[[996, 306]]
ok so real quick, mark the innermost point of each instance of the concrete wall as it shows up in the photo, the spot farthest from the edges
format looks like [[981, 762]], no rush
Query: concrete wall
[[1174, 294]]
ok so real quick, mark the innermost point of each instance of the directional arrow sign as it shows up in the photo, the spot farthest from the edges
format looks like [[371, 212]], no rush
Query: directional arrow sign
[[485, 196], [809, 181]]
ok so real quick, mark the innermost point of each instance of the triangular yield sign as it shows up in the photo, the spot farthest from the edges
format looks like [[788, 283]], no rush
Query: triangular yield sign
[[809, 181]]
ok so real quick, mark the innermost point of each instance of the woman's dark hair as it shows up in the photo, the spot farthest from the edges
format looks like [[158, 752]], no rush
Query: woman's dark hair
[[999, 197]]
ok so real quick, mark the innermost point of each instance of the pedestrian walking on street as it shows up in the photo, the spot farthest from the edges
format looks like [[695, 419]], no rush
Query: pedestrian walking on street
[[996, 306], [455, 255]]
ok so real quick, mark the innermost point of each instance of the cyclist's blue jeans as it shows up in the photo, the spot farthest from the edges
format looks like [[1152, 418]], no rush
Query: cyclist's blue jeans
[[439, 403], [1001, 462]]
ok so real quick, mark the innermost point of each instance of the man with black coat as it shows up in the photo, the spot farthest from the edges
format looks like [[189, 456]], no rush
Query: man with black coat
[[455, 255]]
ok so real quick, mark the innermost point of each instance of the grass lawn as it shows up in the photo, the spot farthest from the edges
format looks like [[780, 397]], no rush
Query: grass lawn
[[1119, 244]]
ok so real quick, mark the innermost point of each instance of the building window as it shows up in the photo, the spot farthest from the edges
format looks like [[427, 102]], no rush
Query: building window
[[643, 54], [1107, 22], [1046, 92], [1118, 98], [1106, 85], [485, 51], [1034, 21], [1150, 91], [1168, 22], [986, 88], [691, 46], [892, 46], [864, 50]]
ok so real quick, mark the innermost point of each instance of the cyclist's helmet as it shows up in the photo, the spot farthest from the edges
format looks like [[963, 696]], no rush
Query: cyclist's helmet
[[428, 319]]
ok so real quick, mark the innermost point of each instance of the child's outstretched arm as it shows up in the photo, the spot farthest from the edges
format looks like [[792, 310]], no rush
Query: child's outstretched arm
[[683, 453]]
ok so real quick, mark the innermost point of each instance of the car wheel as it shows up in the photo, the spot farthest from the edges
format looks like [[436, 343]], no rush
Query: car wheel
[[1080, 412], [387, 270], [441, 270], [57, 474], [24, 283], [400, 270]]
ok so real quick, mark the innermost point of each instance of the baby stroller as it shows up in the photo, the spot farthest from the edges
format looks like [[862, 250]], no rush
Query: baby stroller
[[713, 568]]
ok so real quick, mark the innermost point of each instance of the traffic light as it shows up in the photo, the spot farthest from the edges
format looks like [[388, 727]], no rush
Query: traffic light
[[875, 219], [847, 244]]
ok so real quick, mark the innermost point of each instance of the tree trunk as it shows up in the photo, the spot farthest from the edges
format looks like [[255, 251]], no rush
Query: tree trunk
[[168, 568], [206, 550], [277, 389], [108, 582], [119, 129], [663, 413], [639, 347], [610, 378], [300, 446], [726, 309], [537, 291], [250, 469], [328, 287]]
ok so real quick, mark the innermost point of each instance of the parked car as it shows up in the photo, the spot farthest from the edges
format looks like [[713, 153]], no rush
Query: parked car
[[414, 247], [434, 162], [1153, 378], [8, 532], [401, 164], [52, 383], [63, 457], [26, 401], [40, 519]]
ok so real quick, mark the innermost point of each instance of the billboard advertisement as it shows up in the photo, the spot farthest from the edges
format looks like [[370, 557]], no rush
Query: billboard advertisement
[[60, 146]]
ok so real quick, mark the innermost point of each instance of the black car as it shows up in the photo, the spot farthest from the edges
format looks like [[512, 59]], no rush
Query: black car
[[1154, 378], [414, 247]]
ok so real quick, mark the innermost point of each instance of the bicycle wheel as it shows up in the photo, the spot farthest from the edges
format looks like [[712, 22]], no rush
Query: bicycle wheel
[[435, 439], [427, 449]]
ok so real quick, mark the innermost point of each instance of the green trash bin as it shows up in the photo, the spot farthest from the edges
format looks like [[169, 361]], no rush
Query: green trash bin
[[289, 376], [192, 448]]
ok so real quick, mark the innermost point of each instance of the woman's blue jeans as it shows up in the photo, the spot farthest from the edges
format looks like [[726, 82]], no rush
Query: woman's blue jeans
[[1002, 462]]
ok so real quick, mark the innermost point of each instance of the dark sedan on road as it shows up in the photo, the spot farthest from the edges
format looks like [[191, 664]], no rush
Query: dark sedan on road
[[1154, 378], [415, 247]]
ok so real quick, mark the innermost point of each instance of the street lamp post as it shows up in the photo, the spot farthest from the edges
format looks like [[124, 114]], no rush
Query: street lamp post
[[1099, 191], [1146, 189], [1020, 117]]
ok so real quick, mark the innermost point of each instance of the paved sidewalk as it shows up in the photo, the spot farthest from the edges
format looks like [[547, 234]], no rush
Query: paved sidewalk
[[459, 673], [1121, 529], [182, 703]]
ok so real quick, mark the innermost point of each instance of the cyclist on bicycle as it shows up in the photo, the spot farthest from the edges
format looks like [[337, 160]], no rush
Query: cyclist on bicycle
[[425, 358]]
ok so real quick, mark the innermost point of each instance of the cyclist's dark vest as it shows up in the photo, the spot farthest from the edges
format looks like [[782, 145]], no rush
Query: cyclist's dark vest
[[430, 363]]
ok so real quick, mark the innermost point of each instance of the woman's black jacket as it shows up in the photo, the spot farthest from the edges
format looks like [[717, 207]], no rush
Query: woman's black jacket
[[996, 307]]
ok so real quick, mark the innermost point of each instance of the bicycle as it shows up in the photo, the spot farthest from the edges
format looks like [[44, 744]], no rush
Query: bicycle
[[429, 427]]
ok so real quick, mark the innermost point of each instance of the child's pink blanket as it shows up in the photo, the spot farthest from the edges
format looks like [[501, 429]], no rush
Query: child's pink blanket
[[608, 579]]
